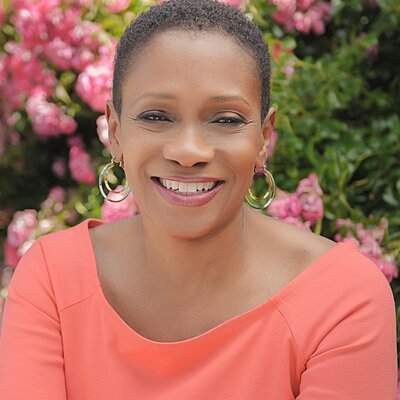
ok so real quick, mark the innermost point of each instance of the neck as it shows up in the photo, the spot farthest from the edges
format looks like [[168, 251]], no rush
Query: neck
[[189, 266]]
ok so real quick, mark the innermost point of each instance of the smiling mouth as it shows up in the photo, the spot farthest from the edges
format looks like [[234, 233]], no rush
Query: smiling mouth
[[187, 188]]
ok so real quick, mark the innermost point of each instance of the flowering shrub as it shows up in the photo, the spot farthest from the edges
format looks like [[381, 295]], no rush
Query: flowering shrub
[[334, 154]]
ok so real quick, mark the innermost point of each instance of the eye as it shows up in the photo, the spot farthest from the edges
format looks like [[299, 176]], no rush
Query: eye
[[153, 116], [230, 121]]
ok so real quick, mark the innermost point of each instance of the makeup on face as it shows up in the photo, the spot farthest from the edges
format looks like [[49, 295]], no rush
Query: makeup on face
[[190, 129]]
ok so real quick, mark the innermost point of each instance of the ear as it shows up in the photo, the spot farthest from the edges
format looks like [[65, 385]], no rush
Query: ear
[[114, 131], [266, 134]]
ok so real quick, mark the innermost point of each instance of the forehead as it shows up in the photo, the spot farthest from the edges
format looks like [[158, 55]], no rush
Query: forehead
[[204, 62]]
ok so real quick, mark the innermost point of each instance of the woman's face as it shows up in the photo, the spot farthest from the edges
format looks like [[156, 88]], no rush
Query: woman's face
[[190, 112]]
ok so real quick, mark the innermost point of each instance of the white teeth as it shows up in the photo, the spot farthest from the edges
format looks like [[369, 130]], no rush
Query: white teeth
[[183, 187], [191, 187]]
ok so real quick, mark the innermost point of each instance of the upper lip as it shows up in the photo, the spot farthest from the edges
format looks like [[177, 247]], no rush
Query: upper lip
[[189, 178]]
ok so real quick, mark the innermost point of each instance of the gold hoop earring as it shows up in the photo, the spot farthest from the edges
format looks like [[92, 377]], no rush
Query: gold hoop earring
[[269, 195], [103, 179]]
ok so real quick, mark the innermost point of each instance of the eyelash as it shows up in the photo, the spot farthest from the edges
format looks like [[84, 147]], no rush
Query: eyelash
[[150, 117]]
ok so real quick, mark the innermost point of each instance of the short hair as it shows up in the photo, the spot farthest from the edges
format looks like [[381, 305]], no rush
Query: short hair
[[191, 15]]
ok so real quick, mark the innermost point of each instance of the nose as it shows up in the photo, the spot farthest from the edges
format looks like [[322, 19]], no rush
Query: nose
[[188, 148]]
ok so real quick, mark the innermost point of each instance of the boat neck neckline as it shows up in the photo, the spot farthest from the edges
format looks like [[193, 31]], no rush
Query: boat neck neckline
[[222, 329]]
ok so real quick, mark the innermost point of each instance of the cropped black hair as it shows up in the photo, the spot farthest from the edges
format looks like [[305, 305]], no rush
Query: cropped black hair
[[191, 15]]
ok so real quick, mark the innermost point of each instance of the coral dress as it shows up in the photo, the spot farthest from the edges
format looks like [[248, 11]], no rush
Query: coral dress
[[329, 334]]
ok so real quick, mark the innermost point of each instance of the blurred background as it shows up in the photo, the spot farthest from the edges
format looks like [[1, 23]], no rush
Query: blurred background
[[336, 148]]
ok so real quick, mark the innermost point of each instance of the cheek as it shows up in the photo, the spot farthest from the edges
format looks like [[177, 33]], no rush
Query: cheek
[[240, 155]]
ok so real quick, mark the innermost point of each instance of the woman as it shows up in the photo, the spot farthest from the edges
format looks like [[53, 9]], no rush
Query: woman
[[199, 296]]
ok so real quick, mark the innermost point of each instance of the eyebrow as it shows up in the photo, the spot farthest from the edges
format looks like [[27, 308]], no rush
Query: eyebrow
[[214, 99]]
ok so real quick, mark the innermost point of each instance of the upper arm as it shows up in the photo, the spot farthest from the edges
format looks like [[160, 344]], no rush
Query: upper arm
[[357, 358], [31, 353]]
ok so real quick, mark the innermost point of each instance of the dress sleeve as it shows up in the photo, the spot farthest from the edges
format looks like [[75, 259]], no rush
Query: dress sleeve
[[31, 353], [357, 358]]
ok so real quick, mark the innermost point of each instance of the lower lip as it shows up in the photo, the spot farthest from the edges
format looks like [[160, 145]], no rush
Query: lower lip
[[192, 200]]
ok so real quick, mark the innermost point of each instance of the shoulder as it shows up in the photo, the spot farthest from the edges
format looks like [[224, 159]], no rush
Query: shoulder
[[56, 265], [346, 300]]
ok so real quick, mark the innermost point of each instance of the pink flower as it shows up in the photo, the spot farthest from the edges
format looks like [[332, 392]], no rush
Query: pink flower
[[47, 119], [369, 240], [387, 264], [102, 130], [285, 205], [20, 65], [310, 193], [79, 166], [11, 256], [94, 84], [59, 53], [116, 6], [304, 4], [82, 58], [22, 227], [57, 193], [124, 209], [302, 15], [59, 167]]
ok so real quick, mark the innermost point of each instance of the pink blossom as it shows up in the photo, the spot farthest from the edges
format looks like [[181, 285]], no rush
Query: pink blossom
[[116, 6], [79, 166], [369, 240], [86, 34], [30, 18], [59, 53], [11, 256], [288, 68], [19, 65], [114, 211], [303, 15], [285, 205], [304, 4], [310, 193], [94, 84], [47, 119], [81, 58], [22, 227], [59, 167], [387, 264], [102, 130], [57, 193]]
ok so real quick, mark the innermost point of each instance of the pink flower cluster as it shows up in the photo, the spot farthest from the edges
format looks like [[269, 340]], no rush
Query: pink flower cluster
[[305, 16], [116, 6], [102, 131], [48, 119], [369, 241], [54, 35], [95, 82], [114, 211], [27, 225], [302, 208], [79, 162], [20, 236]]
